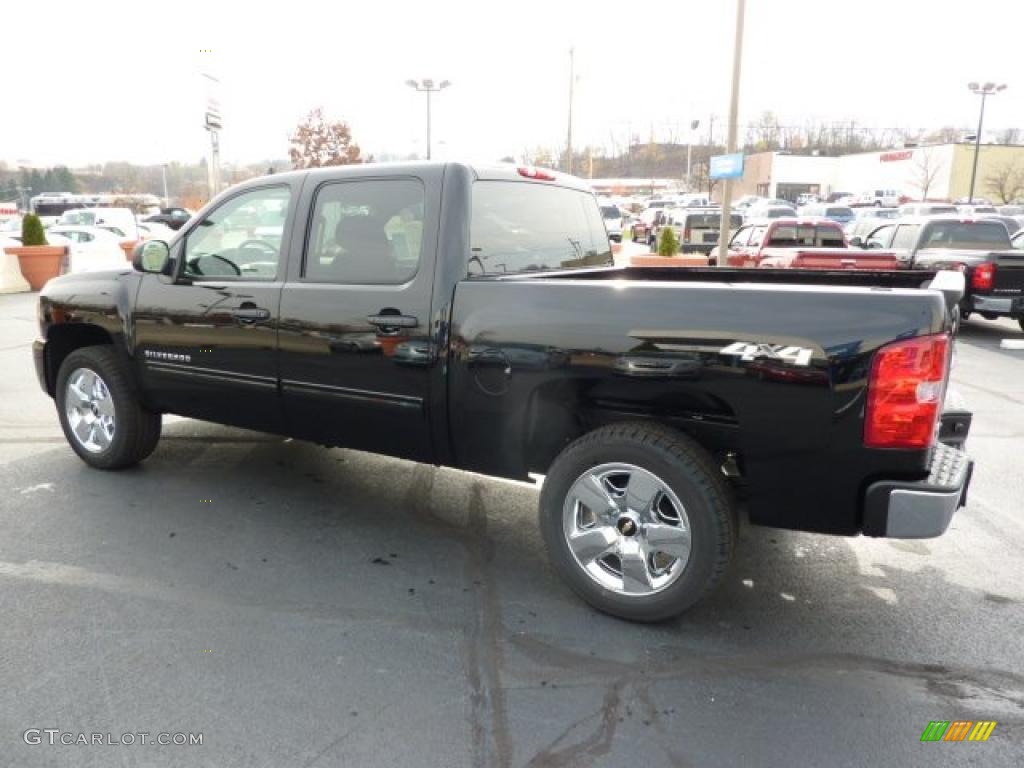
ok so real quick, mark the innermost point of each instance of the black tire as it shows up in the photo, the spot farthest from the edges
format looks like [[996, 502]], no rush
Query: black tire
[[1020, 322], [136, 430], [689, 472]]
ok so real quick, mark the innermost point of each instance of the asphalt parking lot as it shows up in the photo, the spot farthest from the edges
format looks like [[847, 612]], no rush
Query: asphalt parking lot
[[309, 607]]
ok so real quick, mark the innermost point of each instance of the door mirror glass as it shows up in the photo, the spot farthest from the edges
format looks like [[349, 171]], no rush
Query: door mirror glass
[[151, 256]]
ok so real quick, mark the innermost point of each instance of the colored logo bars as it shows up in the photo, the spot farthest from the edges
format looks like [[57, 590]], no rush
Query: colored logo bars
[[958, 730]]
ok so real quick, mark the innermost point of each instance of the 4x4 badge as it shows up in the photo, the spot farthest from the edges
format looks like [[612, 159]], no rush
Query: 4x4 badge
[[747, 350]]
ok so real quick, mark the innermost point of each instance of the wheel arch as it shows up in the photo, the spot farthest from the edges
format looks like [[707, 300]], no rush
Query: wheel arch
[[62, 340]]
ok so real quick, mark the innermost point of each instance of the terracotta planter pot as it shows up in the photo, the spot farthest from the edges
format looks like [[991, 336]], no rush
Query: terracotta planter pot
[[128, 246], [39, 263], [651, 260]]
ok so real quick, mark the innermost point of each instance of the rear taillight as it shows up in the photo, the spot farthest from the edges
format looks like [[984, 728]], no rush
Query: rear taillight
[[905, 393], [984, 276]]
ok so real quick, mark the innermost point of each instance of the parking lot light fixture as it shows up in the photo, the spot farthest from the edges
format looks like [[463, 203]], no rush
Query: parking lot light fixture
[[984, 90], [428, 87]]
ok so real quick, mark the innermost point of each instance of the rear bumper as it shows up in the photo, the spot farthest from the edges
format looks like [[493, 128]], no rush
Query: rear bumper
[[999, 305], [921, 509]]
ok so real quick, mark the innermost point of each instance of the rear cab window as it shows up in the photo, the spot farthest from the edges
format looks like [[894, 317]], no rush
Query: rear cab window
[[528, 227], [968, 235]]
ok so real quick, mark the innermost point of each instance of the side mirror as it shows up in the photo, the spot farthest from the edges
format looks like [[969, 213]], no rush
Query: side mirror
[[857, 241], [152, 256]]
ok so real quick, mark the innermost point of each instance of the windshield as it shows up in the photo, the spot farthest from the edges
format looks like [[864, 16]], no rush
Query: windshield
[[520, 227], [610, 212], [969, 235], [78, 218]]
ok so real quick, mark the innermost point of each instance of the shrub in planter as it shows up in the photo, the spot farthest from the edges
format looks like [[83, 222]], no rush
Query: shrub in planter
[[32, 232], [38, 261], [668, 244]]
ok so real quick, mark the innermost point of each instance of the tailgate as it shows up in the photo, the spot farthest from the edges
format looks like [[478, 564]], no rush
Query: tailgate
[[1009, 277], [845, 258]]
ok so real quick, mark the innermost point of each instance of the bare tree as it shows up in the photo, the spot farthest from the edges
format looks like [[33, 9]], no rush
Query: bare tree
[[1006, 183], [1009, 136], [318, 142], [926, 167]]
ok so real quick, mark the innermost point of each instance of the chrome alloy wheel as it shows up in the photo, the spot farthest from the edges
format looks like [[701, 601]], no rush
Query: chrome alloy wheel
[[626, 529], [90, 410]]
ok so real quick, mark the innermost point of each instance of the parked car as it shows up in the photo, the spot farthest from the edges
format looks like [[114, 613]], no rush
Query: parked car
[[747, 246], [867, 219], [1010, 210], [980, 249], [120, 221], [647, 400], [745, 202], [1011, 223], [880, 198], [842, 214], [828, 258], [807, 198], [977, 210], [152, 229], [839, 197], [927, 209], [174, 218], [764, 211], [91, 248], [697, 229], [612, 221], [645, 227]]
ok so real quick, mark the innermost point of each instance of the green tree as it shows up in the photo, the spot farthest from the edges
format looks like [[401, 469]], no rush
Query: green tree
[[32, 232], [668, 243], [65, 180]]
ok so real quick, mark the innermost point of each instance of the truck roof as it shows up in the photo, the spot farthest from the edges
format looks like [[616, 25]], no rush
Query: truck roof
[[486, 171]]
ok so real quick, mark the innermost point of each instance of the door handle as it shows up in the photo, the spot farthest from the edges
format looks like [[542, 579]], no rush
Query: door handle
[[392, 321], [250, 314]]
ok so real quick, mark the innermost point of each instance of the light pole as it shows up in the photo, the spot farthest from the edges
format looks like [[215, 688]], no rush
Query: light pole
[[163, 175], [730, 148], [983, 90], [427, 86], [694, 125]]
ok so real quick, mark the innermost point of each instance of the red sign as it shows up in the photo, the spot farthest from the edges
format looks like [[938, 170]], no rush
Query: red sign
[[892, 157]]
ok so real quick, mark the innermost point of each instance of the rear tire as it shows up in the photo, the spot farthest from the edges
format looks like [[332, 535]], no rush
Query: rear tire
[[1020, 322], [99, 411], [668, 521]]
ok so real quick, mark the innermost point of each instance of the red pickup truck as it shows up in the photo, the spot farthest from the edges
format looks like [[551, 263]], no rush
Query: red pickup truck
[[749, 245]]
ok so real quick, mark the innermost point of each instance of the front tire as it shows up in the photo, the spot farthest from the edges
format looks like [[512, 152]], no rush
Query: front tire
[[99, 412], [638, 520]]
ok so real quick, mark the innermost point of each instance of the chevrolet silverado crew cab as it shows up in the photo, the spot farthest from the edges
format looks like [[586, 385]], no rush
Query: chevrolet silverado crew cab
[[980, 248], [472, 317]]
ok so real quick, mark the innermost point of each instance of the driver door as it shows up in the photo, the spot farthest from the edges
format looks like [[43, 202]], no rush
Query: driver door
[[206, 336]]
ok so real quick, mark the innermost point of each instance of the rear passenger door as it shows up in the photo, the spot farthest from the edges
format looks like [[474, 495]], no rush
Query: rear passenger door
[[355, 348]]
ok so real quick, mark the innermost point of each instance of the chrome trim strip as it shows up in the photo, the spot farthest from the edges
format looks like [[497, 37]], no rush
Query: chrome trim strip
[[349, 393], [245, 379]]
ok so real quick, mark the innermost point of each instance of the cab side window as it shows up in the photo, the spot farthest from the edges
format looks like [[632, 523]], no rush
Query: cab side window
[[366, 232], [240, 238]]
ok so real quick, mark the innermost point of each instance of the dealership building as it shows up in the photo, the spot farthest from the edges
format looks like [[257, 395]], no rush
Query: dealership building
[[936, 172]]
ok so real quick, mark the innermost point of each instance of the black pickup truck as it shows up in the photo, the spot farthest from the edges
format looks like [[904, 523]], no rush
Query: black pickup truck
[[980, 248], [473, 317]]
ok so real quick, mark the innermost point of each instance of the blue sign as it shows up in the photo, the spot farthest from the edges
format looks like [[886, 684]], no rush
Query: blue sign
[[727, 166]]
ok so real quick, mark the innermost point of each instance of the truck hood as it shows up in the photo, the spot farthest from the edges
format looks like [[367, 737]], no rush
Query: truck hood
[[75, 278]]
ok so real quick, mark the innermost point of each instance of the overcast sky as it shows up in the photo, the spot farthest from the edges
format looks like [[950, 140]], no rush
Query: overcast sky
[[106, 80]]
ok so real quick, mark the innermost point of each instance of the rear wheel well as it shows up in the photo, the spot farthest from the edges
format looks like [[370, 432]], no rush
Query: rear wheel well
[[62, 340]]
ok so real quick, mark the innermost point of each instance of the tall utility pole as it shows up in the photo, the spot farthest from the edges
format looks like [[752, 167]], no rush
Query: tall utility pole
[[572, 82], [734, 103], [427, 86], [985, 90], [694, 125], [711, 142]]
